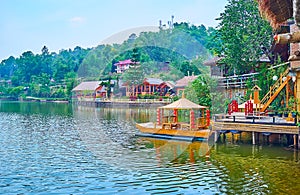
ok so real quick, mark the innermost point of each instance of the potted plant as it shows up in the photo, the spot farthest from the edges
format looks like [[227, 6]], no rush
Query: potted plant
[[280, 112], [292, 104], [286, 112], [294, 113], [271, 112]]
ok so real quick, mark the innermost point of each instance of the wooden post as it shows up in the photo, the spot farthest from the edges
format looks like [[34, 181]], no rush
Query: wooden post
[[287, 95], [192, 119], [158, 117], [207, 118], [216, 135], [287, 38], [299, 139], [224, 137], [279, 138], [175, 112]]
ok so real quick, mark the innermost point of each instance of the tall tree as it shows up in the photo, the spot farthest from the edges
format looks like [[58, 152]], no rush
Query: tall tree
[[243, 34], [7, 67], [134, 75], [204, 91]]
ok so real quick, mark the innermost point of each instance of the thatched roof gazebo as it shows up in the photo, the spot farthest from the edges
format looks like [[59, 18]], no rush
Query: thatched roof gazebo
[[279, 11], [172, 111], [183, 104]]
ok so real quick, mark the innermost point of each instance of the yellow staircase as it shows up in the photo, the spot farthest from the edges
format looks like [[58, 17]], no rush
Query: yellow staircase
[[275, 90]]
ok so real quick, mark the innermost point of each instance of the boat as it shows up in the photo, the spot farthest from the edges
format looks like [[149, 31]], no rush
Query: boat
[[181, 120]]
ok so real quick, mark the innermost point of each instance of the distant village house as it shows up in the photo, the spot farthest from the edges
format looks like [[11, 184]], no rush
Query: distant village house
[[90, 90], [182, 83], [124, 65]]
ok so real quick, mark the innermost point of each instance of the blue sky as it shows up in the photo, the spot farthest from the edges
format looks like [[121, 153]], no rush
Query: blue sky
[[28, 25]]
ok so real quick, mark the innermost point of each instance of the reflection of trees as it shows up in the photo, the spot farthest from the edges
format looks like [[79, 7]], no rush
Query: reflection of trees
[[45, 108], [253, 170], [128, 114]]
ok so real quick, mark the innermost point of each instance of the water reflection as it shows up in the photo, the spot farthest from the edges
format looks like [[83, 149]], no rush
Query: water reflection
[[95, 150], [177, 152], [35, 107], [264, 169]]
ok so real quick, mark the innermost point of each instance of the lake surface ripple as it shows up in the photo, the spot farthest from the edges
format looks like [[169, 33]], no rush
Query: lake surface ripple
[[64, 149]]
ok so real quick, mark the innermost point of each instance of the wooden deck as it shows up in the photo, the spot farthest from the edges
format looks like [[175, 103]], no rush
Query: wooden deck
[[261, 124], [151, 128]]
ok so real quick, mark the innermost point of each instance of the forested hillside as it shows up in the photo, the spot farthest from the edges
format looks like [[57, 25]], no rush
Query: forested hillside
[[168, 54]]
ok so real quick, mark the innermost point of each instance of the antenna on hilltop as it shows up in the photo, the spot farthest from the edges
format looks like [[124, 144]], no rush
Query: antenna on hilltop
[[171, 23]]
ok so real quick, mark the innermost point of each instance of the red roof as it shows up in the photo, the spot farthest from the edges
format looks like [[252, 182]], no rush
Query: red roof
[[124, 62], [185, 81], [88, 85]]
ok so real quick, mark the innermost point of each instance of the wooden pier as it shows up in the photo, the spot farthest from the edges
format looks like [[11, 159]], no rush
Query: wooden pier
[[256, 125], [122, 103]]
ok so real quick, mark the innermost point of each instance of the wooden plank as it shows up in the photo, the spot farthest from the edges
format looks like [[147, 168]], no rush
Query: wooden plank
[[255, 127]]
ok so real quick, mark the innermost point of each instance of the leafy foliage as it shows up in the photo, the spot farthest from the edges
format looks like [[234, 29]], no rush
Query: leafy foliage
[[242, 36], [167, 54], [204, 91]]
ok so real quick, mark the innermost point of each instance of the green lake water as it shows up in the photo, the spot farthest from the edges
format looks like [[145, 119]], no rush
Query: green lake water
[[53, 148]]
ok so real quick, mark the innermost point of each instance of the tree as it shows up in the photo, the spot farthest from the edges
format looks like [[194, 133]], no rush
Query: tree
[[187, 68], [7, 67], [15, 92], [242, 34], [46, 61], [70, 80], [28, 65], [134, 75], [204, 91]]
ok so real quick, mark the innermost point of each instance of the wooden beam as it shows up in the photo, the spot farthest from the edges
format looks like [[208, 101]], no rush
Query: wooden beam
[[287, 38], [255, 127]]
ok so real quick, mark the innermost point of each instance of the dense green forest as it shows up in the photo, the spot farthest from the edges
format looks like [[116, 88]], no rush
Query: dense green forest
[[241, 39], [168, 54]]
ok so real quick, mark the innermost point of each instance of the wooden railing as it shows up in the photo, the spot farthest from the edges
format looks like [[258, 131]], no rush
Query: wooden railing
[[275, 90], [237, 81]]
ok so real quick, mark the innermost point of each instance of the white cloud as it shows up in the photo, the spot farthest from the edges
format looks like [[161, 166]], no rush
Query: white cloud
[[77, 20]]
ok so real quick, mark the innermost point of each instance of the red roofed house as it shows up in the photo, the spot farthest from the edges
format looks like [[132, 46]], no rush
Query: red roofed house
[[150, 86], [90, 90], [123, 65], [166, 88], [182, 83]]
